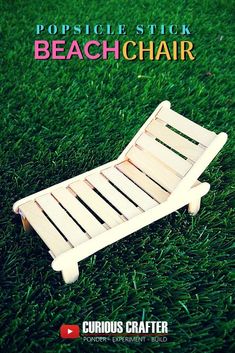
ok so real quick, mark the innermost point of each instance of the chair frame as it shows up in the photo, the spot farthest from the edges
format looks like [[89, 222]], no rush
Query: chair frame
[[188, 191]]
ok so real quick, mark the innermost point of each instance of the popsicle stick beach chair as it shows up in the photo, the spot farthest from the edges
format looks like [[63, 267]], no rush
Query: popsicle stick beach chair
[[155, 175]]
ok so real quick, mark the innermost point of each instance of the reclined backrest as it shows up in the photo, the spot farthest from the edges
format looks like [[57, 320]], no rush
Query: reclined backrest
[[173, 150]]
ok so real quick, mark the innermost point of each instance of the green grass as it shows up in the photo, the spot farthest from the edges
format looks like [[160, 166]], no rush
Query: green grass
[[59, 119]]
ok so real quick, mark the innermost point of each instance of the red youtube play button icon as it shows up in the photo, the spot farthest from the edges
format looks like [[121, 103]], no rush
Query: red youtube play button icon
[[69, 331]]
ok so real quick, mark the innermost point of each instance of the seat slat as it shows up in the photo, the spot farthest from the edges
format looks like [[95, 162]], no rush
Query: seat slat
[[127, 208], [61, 219], [47, 232], [129, 188], [186, 126], [143, 181], [167, 156], [175, 141], [154, 168], [79, 212], [96, 203]]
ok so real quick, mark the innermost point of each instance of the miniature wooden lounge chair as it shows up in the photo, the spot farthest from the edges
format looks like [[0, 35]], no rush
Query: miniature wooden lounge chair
[[155, 175]]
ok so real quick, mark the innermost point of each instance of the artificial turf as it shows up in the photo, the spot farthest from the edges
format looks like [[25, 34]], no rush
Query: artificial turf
[[59, 119]]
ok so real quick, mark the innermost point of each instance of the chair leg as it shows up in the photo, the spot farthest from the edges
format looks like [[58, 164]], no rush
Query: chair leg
[[194, 206], [27, 227], [70, 273]]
